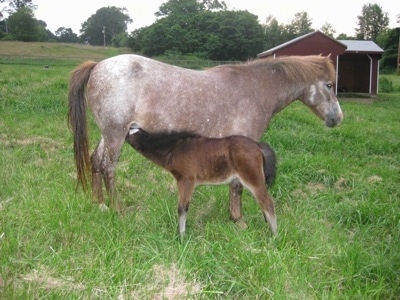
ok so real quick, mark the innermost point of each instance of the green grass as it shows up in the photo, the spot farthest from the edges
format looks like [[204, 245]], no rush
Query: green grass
[[53, 54], [337, 198]]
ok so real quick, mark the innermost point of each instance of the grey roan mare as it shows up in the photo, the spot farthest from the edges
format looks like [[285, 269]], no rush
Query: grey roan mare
[[216, 102]]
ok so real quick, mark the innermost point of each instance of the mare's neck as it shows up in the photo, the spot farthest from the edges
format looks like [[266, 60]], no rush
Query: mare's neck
[[286, 96]]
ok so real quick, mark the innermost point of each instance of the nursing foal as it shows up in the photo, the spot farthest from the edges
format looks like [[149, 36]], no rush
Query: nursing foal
[[195, 160]]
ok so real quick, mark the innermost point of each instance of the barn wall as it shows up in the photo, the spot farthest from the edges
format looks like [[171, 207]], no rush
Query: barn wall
[[314, 45], [354, 73], [358, 73]]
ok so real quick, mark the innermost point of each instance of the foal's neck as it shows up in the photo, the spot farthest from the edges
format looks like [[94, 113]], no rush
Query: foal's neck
[[158, 147]]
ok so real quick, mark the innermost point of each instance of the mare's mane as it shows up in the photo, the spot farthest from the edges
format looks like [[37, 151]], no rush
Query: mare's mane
[[294, 68]]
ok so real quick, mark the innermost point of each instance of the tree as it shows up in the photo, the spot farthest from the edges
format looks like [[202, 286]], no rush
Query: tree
[[344, 36], [213, 5], [188, 7], [66, 35], [104, 25], [328, 29], [22, 26], [273, 32], [300, 25], [371, 22], [239, 35], [218, 35], [17, 4], [180, 7], [389, 41], [120, 40]]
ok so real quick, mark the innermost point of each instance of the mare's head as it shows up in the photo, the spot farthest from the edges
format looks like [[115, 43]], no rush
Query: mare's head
[[318, 74]]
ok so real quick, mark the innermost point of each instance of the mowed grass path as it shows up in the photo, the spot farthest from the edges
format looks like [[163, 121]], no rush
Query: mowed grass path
[[337, 199]]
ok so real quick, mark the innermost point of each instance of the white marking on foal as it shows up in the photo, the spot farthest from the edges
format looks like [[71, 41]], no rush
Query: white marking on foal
[[103, 207], [133, 131], [182, 223]]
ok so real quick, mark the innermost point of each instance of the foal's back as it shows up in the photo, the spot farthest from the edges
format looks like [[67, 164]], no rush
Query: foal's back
[[214, 160]]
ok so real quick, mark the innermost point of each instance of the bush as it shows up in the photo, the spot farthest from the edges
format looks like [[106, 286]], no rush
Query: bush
[[385, 85]]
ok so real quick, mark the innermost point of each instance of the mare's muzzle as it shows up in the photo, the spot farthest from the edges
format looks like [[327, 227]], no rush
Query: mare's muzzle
[[334, 118]]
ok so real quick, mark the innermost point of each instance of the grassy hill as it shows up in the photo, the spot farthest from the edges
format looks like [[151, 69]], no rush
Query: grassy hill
[[13, 51]]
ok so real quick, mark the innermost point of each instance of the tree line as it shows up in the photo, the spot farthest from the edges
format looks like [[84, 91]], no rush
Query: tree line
[[202, 28]]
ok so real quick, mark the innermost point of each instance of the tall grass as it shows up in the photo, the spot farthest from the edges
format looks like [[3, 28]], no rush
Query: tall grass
[[336, 193]]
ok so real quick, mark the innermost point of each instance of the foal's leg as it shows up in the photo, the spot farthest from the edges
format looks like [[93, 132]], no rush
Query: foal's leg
[[256, 185], [268, 208], [235, 200], [185, 190]]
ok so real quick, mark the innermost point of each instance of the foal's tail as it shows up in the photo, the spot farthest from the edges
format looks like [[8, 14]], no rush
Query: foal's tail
[[77, 119], [269, 163]]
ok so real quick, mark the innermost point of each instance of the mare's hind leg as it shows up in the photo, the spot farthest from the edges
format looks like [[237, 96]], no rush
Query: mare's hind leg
[[97, 177], [185, 190], [104, 161]]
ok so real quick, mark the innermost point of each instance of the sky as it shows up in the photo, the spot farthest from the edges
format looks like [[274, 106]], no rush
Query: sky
[[341, 14]]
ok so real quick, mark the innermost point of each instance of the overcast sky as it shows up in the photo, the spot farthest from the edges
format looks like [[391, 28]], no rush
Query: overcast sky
[[342, 15]]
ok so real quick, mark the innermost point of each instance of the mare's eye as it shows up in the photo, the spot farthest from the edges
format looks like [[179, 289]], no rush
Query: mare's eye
[[329, 85]]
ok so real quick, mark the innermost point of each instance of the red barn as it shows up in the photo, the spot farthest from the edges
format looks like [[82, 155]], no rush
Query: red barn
[[356, 62]]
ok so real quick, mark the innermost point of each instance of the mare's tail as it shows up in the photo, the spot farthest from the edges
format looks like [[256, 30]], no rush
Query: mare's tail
[[77, 119], [269, 163]]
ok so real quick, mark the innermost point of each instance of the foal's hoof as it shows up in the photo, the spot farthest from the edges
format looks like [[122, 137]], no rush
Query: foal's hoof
[[103, 207], [241, 224], [180, 237]]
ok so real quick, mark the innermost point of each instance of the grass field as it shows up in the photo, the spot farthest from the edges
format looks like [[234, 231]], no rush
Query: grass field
[[337, 199]]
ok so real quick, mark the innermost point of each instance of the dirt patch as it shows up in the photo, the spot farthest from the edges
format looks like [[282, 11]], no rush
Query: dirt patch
[[166, 283], [374, 178], [163, 283], [47, 144], [341, 183], [45, 279], [176, 286], [312, 188]]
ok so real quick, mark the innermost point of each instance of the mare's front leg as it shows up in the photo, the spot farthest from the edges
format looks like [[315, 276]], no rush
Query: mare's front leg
[[235, 200], [185, 190]]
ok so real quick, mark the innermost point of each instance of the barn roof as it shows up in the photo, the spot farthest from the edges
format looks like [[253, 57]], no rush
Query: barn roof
[[351, 46], [357, 46], [295, 40]]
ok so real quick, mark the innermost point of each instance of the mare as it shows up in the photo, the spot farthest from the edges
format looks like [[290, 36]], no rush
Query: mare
[[221, 101], [193, 160]]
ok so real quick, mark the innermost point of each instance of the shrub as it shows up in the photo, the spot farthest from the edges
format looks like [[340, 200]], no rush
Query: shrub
[[385, 85]]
